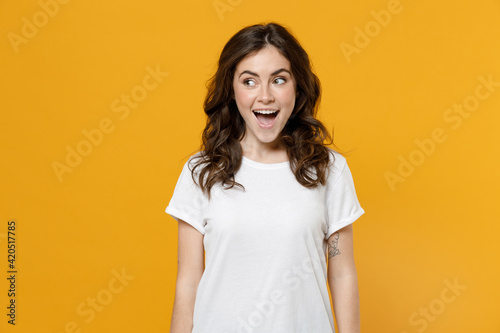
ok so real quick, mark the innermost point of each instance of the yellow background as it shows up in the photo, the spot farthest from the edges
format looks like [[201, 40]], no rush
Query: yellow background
[[439, 226]]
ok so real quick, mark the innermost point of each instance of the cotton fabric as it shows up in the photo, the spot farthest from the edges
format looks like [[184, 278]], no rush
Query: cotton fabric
[[265, 247]]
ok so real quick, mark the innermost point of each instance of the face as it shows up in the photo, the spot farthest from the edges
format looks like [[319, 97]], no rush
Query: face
[[265, 91]]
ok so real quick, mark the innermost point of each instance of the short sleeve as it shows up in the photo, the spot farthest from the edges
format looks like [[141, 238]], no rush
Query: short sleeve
[[187, 201], [343, 207]]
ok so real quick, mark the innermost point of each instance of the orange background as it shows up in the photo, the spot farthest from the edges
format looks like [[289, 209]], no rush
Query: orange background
[[388, 83]]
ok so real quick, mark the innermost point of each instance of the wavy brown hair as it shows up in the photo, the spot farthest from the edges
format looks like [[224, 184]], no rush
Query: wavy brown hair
[[304, 137]]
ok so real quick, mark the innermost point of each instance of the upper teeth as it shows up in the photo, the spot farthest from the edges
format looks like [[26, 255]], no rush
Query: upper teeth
[[266, 111]]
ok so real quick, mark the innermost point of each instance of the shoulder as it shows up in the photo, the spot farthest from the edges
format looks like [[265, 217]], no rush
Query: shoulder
[[337, 161], [194, 159], [336, 166]]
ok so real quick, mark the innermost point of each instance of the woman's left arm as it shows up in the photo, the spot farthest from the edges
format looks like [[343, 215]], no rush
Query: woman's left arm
[[343, 280]]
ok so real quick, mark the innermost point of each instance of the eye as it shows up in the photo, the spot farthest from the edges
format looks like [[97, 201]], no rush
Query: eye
[[249, 82], [279, 80]]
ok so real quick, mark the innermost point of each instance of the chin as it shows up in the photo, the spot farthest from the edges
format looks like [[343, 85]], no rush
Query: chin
[[268, 139]]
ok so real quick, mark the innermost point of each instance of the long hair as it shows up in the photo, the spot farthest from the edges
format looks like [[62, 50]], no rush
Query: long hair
[[304, 137]]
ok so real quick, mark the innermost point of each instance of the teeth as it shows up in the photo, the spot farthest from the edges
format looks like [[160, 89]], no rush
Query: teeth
[[265, 111]]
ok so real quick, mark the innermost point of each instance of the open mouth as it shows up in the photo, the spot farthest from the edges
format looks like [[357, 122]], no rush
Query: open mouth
[[266, 118]]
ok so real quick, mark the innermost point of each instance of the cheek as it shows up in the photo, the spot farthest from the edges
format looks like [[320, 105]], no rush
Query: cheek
[[288, 98], [238, 96], [242, 103], [244, 99]]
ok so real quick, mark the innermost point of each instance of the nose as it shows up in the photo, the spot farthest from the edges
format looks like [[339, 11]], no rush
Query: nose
[[266, 95]]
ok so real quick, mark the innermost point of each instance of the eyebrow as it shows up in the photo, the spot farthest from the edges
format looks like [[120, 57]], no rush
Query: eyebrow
[[273, 73]]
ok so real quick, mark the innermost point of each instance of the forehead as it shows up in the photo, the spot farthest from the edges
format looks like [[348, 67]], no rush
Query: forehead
[[268, 58]]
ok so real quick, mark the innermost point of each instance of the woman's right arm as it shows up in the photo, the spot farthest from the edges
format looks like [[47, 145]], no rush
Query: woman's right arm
[[190, 269]]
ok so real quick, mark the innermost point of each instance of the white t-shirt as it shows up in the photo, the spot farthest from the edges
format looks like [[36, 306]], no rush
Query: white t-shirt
[[265, 247]]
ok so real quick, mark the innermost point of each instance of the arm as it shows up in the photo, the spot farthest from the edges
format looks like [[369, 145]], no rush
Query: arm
[[343, 280], [190, 270]]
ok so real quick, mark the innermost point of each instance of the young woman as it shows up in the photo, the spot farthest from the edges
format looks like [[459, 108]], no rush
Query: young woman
[[266, 201]]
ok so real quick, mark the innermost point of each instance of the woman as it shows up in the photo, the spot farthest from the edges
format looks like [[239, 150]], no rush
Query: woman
[[265, 200]]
